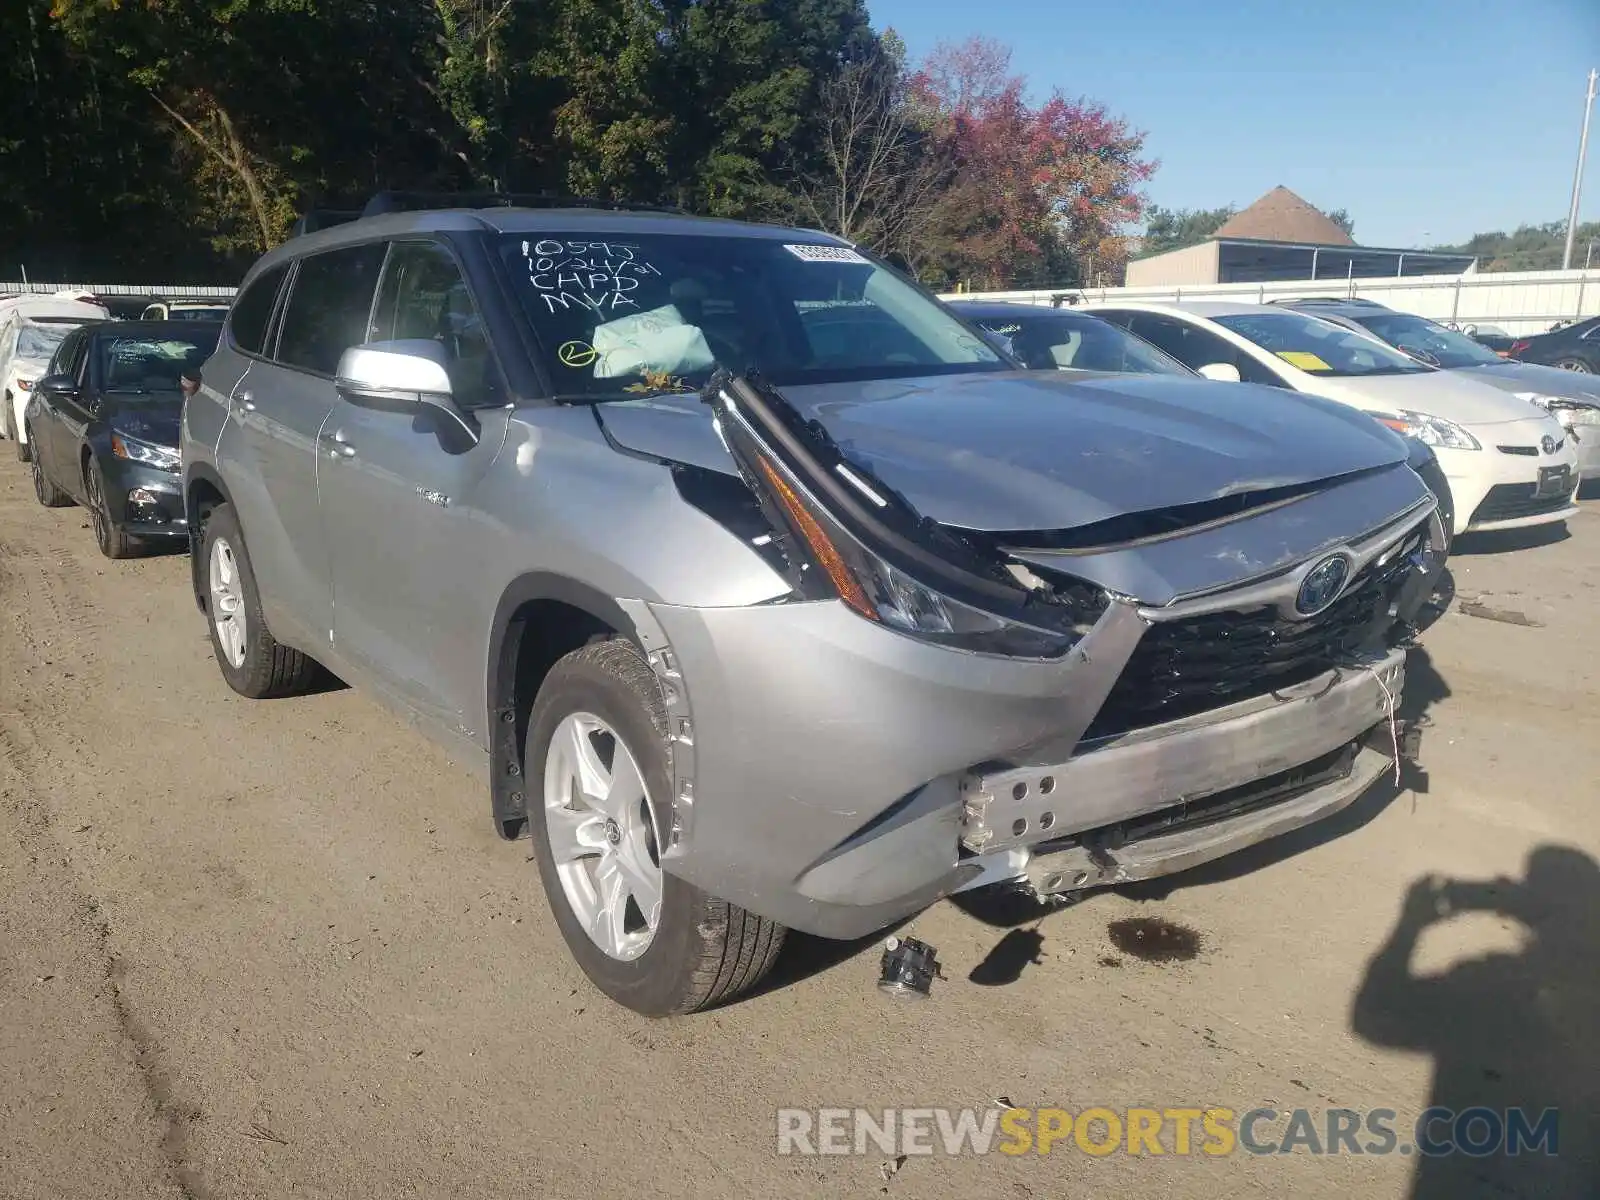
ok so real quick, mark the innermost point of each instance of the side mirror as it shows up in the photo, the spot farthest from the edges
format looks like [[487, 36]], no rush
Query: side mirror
[[1222, 372], [407, 371], [60, 386]]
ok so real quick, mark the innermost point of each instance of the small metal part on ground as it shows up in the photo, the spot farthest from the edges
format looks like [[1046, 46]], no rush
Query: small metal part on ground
[[909, 968]]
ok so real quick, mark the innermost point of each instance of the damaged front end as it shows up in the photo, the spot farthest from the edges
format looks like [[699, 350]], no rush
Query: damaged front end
[[934, 707]]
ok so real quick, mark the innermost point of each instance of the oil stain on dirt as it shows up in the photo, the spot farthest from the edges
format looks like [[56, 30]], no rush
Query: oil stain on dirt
[[1155, 940]]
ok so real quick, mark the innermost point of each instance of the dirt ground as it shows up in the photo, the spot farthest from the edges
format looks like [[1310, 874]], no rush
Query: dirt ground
[[273, 949]]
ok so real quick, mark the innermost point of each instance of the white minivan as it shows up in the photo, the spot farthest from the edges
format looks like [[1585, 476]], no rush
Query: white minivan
[[1509, 463]]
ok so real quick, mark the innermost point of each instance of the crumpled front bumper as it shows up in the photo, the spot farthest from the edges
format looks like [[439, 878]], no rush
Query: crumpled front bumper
[[821, 719], [1224, 779]]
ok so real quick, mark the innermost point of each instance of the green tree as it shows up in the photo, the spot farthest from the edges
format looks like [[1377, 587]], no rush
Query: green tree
[[1175, 228], [1343, 220], [1530, 247]]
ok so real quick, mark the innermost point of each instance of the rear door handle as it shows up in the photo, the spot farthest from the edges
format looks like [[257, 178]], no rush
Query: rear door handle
[[337, 446], [246, 402]]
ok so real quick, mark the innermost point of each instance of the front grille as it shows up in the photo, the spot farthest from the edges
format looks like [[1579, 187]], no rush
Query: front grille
[[1525, 451], [1508, 501], [1192, 665]]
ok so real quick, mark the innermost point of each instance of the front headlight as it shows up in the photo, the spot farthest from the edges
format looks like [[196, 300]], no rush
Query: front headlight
[[882, 592], [163, 458], [1429, 430], [1569, 410], [841, 536]]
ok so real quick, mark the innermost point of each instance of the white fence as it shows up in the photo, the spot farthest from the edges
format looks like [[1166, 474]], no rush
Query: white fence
[[1517, 301], [163, 291]]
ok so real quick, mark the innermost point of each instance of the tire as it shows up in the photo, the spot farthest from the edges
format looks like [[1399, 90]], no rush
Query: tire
[[701, 951], [23, 450], [45, 491], [255, 665], [113, 542], [1575, 364]]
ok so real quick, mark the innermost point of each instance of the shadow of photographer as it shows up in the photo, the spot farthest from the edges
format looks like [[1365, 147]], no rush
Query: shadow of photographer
[[1505, 1030]]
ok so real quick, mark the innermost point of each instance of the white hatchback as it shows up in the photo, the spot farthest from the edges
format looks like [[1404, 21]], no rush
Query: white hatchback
[[1509, 463]]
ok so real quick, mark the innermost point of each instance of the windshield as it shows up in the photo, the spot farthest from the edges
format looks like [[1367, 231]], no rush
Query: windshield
[[150, 364], [1433, 344], [1057, 341], [40, 341], [1319, 347], [658, 313]]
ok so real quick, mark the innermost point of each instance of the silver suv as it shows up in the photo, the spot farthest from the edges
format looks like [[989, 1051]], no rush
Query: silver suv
[[768, 594]]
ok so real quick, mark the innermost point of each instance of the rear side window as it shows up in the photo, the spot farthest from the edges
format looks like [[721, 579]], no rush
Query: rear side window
[[252, 311], [328, 307]]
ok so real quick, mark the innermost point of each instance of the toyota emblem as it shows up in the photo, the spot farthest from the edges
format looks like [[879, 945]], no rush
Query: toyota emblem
[[1322, 585], [1549, 444]]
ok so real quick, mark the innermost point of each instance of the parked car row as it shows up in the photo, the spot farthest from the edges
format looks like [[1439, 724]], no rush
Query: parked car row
[[766, 591], [33, 326]]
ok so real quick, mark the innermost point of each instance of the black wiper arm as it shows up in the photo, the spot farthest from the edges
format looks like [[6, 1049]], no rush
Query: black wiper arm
[[613, 397]]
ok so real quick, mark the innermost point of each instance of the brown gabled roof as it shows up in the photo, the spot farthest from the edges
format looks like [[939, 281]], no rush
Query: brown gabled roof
[[1281, 216]]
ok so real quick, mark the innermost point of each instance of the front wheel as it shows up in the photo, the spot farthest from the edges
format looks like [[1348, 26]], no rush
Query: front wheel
[[1574, 364], [598, 797], [113, 541], [252, 660], [23, 450]]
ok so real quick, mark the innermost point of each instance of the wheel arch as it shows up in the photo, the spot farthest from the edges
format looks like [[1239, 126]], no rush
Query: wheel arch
[[203, 490], [541, 617]]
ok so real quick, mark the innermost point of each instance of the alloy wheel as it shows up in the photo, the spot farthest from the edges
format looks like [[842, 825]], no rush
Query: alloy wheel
[[227, 602], [602, 835]]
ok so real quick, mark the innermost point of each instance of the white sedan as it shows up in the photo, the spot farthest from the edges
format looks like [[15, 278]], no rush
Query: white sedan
[[1509, 463]]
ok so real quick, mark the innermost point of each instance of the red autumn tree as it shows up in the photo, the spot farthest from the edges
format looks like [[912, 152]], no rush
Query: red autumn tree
[[1039, 194]]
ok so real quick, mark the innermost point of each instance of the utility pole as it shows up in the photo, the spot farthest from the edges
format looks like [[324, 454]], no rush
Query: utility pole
[[1577, 179]]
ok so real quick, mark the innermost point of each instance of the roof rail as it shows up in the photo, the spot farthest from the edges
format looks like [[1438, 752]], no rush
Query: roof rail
[[321, 218], [1350, 300], [393, 202]]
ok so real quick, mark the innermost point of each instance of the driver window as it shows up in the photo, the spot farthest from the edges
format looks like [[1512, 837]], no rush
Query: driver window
[[1196, 348], [423, 295]]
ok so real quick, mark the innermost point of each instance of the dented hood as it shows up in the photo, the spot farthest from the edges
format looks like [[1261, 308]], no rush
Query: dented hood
[[1044, 450]]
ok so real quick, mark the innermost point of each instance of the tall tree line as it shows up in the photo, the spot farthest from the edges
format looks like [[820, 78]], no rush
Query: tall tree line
[[180, 138]]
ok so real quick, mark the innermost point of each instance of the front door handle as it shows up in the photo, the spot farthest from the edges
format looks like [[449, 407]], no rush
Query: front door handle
[[337, 446]]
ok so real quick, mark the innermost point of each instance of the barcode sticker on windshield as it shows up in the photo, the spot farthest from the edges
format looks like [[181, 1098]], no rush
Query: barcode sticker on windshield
[[815, 253]]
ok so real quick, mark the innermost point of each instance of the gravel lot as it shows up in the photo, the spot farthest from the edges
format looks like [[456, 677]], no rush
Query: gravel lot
[[274, 949]]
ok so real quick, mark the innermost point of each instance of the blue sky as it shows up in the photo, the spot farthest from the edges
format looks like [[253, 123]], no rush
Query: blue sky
[[1430, 120]]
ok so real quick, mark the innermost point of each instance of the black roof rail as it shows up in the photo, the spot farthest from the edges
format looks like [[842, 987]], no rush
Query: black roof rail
[[395, 201], [1354, 301], [321, 218]]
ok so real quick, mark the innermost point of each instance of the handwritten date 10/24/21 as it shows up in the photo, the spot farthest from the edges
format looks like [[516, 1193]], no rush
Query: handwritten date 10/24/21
[[593, 275]]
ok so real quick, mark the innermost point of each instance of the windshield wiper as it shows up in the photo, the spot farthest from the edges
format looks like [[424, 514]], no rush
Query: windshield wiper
[[614, 397]]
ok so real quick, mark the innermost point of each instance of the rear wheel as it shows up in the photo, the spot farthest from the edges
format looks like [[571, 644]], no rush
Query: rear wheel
[[597, 772], [113, 542], [45, 491], [1575, 364], [251, 659]]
